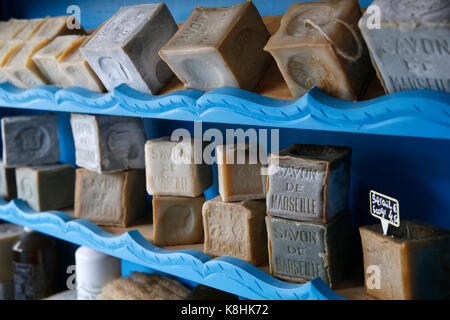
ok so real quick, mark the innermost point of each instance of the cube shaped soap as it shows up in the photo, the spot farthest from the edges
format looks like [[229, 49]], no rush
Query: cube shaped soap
[[46, 187], [173, 169], [177, 220], [108, 143], [236, 229], [114, 199], [125, 48], [239, 170], [319, 44], [219, 47], [410, 48], [7, 182], [30, 28], [300, 251], [412, 261], [10, 28], [309, 182], [30, 140]]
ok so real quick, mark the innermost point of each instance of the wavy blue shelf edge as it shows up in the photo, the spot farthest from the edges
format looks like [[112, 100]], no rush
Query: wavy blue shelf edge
[[414, 113], [225, 273]]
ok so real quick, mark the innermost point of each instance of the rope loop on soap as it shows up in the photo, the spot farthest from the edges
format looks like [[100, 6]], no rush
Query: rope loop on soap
[[344, 55]]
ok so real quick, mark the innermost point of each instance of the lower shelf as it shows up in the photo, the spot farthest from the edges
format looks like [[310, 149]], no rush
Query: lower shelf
[[189, 262]]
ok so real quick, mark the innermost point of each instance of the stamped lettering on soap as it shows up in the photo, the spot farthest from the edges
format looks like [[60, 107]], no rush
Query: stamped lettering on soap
[[309, 71], [26, 188], [33, 141]]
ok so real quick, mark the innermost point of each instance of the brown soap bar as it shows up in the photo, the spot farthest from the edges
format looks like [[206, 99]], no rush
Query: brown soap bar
[[309, 182], [219, 47], [301, 251], [7, 182], [177, 220], [113, 199], [236, 229], [413, 261], [239, 170], [46, 187], [319, 44]]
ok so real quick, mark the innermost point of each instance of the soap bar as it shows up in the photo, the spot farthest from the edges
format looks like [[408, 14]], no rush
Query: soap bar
[[219, 47], [49, 57], [410, 50], [309, 182], [239, 170], [113, 199], [46, 187], [319, 44], [30, 28], [9, 233], [125, 49], [30, 140], [171, 167], [78, 70], [108, 143], [7, 50], [300, 251], [177, 220], [412, 260], [11, 28], [236, 229], [7, 182]]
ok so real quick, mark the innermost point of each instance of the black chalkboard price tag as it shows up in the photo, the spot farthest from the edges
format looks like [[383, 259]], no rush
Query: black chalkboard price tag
[[385, 208]]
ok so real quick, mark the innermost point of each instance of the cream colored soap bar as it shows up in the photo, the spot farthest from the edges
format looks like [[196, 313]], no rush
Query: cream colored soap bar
[[9, 234], [7, 182], [114, 199], [239, 170], [48, 58], [171, 167], [319, 44], [219, 47], [236, 229], [30, 29], [11, 28], [7, 49], [177, 220]]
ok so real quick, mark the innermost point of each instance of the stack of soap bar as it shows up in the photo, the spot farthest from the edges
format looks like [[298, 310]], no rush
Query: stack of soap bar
[[309, 182], [46, 187], [7, 182], [410, 47], [412, 261], [48, 58], [7, 50], [319, 44], [301, 251], [9, 29], [30, 28], [30, 140], [125, 48], [236, 229], [239, 170], [9, 234], [108, 143], [171, 167], [219, 47], [177, 220], [114, 199]]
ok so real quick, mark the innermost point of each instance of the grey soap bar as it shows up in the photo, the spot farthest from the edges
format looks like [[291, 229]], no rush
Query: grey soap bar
[[108, 143], [411, 49], [46, 187], [220, 47], [309, 182], [125, 49], [30, 140], [301, 251], [7, 182]]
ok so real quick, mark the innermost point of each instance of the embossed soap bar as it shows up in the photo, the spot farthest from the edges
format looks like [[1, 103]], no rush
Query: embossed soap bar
[[125, 48], [108, 143], [301, 251], [173, 169], [7, 182], [48, 58], [413, 261], [177, 220], [239, 169], [236, 229], [46, 187], [219, 47], [30, 140], [410, 50], [309, 182], [319, 44], [114, 199]]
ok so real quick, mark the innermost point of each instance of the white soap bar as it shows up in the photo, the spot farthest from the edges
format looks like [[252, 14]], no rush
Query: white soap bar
[[7, 49], [11, 28], [30, 29]]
